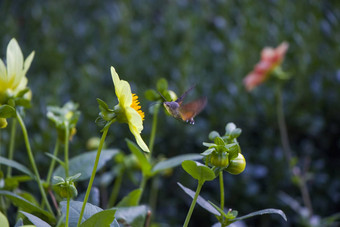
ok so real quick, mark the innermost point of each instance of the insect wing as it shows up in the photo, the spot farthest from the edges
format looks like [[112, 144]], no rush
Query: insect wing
[[180, 99], [190, 110]]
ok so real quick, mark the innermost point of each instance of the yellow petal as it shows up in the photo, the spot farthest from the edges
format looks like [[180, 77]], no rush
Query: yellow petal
[[122, 89], [134, 118], [22, 85], [138, 138], [116, 81], [3, 74], [114, 76], [15, 61], [124, 93], [28, 62]]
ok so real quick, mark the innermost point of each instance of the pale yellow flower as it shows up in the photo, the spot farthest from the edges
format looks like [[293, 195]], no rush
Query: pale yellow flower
[[128, 110], [13, 78]]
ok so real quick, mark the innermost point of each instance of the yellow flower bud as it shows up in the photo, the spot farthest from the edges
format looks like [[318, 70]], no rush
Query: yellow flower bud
[[237, 165], [3, 123]]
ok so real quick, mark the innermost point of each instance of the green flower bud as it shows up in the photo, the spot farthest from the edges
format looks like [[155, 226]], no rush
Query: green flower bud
[[213, 135], [61, 134], [66, 190], [219, 159], [93, 143], [119, 158], [237, 165], [3, 123]]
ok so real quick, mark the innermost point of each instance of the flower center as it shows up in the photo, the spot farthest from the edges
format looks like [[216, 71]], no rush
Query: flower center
[[135, 105]]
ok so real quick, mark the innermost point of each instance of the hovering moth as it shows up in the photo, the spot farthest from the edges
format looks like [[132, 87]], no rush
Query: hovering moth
[[185, 112]]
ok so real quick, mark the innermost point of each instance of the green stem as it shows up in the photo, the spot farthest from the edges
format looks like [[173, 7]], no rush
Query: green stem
[[31, 158], [142, 186], [55, 154], [287, 150], [0, 147], [154, 188], [222, 190], [11, 146], [282, 127], [193, 203], [102, 140], [67, 211], [154, 194], [154, 128], [66, 150], [116, 188]]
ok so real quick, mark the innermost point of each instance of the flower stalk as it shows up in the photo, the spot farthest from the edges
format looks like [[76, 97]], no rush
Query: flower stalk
[[67, 212], [31, 158], [11, 146], [193, 203], [115, 190], [102, 140], [221, 189], [154, 128], [66, 148], [51, 168], [287, 151]]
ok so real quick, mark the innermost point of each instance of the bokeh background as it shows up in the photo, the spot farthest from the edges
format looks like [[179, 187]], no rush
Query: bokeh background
[[213, 44]]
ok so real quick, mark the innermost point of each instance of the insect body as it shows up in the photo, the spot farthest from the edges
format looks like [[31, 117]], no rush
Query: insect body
[[188, 111]]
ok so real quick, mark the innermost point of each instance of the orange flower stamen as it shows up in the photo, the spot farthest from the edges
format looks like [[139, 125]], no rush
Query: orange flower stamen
[[135, 105]]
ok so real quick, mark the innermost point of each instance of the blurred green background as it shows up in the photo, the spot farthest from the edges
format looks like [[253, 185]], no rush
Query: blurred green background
[[213, 44]]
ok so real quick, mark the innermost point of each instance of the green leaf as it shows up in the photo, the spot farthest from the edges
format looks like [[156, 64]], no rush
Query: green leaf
[[23, 102], [145, 165], [198, 171], [7, 111], [202, 202], [162, 85], [102, 218], [209, 144], [58, 179], [208, 152], [103, 106], [131, 199], [221, 212], [262, 212], [74, 177], [115, 224], [75, 209], [19, 223], [132, 216], [3, 220], [233, 150], [84, 163], [219, 141], [25, 205], [17, 166], [174, 161], [35, 220], [22, 92], [55, 158], [152, 95]]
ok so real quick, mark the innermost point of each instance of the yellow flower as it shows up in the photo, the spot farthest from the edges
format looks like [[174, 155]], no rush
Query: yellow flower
[[128, 110], [13, 78]]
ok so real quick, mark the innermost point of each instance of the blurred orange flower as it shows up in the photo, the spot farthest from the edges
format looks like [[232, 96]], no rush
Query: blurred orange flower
[[270, 59]]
